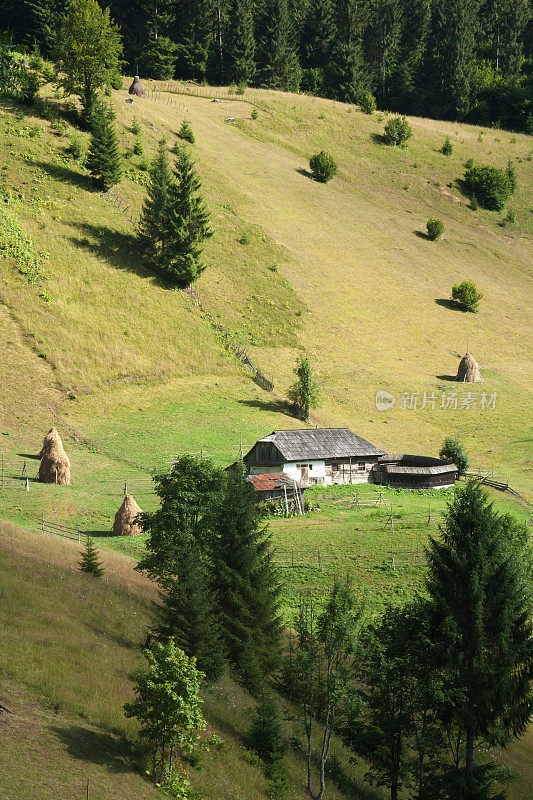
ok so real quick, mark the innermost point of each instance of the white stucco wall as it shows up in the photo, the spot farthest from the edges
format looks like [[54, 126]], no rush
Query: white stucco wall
[[318, 470]]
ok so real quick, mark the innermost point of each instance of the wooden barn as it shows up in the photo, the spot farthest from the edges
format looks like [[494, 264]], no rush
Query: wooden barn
[[414, 472], [314, 456]]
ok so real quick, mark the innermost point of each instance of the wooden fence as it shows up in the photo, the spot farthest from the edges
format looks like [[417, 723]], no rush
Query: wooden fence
[[59, 529]]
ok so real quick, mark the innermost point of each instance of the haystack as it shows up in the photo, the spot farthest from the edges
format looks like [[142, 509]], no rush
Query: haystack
[[51, 441], [137, 88], [127, 518], [468, 371], [55, 465]]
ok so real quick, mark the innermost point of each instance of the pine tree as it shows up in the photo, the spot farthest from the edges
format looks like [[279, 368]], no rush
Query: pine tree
[[244, 577], [187, 613], [483, 609], [240, 47], [185, 224], [282, 70], [266, 734], [103, 159], [89, 561], [347, 74], [154, 206]]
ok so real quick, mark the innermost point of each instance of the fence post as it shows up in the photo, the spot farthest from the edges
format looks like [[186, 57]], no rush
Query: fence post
[[43, 523], [27, 484], [393, 565], [292, 558], [2, 472], [319, 560]]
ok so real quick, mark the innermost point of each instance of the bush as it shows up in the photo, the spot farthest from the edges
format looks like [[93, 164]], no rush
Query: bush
[[367, 103], [138, 146], [323, 167], [435, 228], [447, 147], [509, 219], [30, 85], [185, 132], [278, 777], [453, 451], [266, 735], [467, 295], [511, 174], [492, 187], [398, 132], [244, 238], [77, 147], [135, 127], [241, 88], [255, 113], [474, 205]]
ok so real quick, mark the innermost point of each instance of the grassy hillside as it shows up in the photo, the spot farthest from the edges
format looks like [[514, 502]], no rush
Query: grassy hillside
[[338, 270], [69, 645]]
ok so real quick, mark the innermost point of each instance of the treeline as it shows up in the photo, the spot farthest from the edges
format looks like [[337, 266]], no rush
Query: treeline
[[470, 59]]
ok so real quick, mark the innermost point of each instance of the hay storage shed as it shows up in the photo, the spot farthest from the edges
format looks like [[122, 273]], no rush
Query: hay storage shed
[[55, 464], [127, 521], [137, 88], [468, 371], [414, 472]]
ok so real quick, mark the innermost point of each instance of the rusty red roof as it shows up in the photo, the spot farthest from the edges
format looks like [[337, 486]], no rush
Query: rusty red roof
[[269, 481]]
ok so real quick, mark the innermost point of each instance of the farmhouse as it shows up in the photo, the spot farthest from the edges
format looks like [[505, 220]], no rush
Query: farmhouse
[[320, 456]]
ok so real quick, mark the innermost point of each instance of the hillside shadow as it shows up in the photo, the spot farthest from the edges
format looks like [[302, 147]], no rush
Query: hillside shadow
[[69, 176], [117, 248], [95, 747], [453, 305], [274, 406]]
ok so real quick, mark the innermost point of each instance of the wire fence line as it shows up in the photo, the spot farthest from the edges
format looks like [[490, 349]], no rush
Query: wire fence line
[[207, 92]]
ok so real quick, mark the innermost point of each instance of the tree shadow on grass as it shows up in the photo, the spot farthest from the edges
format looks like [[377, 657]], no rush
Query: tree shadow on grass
[[97, 534], [378, 138], [453, 305], [95, 747], [305, 173], [446, 378], [117, 248], [422, 235], [34, 456], [69, 176], [274, 406]]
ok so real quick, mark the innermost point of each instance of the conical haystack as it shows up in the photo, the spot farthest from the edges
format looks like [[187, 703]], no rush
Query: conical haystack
[[51, 441], [137, 88], [468, 371], [55, 465], [127, 518]]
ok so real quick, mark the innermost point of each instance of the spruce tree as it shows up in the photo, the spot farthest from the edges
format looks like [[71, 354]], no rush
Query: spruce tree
[[154, 206], [244, 578], [187, 613], [318, 33], [103, 159], [282, 69], [483, 609], [185, 225], [240, 47], [89, 561]]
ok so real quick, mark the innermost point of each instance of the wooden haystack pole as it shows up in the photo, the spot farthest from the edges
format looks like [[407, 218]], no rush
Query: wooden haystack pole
[[127, 518], [468, 371], [137, 88], [55, 465]]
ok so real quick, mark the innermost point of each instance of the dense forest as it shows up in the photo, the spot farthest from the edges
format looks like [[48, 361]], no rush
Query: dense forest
[[468, 59]]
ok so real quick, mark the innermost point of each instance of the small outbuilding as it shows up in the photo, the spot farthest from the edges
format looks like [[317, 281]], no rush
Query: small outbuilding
[[137, 88], [55, 464], [468, 371], [414, 472], [127, 519]]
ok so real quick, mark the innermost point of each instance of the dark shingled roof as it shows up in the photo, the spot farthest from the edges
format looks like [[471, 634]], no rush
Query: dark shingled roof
[[393, 469], [321, 443]]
